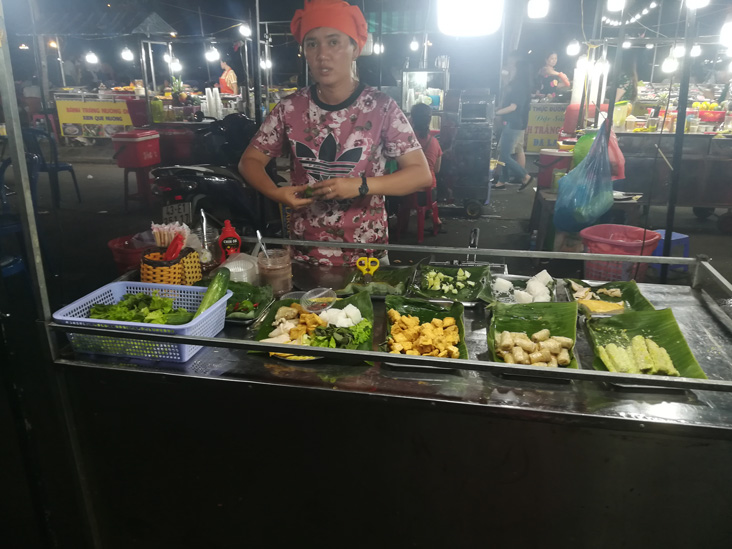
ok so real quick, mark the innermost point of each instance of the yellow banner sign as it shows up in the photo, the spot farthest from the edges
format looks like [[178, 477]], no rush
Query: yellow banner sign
[[545, 121], [92, 118]]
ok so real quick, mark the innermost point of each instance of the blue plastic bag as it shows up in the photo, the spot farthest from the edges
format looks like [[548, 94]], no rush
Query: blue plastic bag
[[586, 193]]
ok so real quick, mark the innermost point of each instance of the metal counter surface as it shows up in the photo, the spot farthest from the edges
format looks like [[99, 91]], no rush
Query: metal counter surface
[[702, 321]]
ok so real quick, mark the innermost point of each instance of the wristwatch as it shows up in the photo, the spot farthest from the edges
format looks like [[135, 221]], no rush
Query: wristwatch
[[363, 190]]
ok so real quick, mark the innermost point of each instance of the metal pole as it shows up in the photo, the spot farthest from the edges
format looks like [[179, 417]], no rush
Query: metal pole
[[655, 47], [61, 62], [145, 78], [690, 35], [200, 21], [616, 72], [152, 68], [587, 82], [381, 43], [267, 70], [256, 69]]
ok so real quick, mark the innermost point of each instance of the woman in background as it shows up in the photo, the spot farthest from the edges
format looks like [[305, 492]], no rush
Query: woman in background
[[549, 78], [227, 81], [421, 116], [515, 113]]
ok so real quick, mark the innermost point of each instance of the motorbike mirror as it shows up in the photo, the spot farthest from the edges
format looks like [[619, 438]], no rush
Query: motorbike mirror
[[198, 116]]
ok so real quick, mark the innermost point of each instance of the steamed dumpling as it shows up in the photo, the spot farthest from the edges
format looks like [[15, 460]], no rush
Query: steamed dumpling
[[353, 313]]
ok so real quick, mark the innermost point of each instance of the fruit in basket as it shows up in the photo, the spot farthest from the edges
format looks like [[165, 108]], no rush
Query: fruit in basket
[[182, 97]]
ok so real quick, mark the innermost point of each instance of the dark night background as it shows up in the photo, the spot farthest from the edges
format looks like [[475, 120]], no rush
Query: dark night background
[[474, 62]]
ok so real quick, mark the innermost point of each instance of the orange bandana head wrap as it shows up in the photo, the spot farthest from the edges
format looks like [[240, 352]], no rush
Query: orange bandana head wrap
[[335, 14]]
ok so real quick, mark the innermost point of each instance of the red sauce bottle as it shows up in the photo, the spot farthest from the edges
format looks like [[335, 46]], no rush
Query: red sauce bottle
[[229, 241]]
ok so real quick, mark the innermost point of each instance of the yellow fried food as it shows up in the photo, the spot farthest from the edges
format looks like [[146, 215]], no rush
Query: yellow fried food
[[436, 338]]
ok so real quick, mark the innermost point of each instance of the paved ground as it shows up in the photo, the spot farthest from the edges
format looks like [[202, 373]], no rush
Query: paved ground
[[76, 235]]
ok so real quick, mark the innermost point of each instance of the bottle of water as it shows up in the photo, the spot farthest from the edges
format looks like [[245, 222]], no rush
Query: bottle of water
[[532, 242]]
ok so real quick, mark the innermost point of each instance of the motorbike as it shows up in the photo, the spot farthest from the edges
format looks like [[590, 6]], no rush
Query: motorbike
[[216, 185]]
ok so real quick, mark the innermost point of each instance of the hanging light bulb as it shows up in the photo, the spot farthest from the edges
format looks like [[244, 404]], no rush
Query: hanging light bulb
[[23, 47], [469, 17], [245, 30], [127, 54], [212, 55], [166, 57], [725, 35], [695, 50], [53, 44], [678, 51], [670, 64], [538, 9], [265, 64], [573, 48], [92, 58], [652, 5], [696, 4], [626, 45], [615, 5], [175, 66], [378, 48], [414, 45], [649, 46]]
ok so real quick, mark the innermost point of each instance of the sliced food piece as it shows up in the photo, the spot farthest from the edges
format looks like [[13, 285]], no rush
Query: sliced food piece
[[610, 292], [601, 307], [502, 286], [662, 363], [541, 335], [523, 297], [622, 360], [544, 277], [641, 355]]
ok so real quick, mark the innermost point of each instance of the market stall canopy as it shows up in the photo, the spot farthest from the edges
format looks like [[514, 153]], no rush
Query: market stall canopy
[[103, 23]]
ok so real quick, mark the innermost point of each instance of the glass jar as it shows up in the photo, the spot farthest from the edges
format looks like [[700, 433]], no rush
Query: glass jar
[[276, 270], [210, 255], [156, 109]]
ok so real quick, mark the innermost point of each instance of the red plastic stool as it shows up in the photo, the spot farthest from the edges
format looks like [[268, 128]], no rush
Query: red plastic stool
[[143, 194], [410, 203]]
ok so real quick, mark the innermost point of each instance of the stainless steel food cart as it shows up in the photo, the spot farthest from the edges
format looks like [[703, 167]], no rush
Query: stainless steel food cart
[[437, 453]]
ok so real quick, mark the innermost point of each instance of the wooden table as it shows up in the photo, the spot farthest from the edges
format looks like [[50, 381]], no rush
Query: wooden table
[[542, 213]]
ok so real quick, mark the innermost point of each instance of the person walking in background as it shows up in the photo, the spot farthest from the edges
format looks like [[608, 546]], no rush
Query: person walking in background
[[549, 78], [515, 113], [421, 116]]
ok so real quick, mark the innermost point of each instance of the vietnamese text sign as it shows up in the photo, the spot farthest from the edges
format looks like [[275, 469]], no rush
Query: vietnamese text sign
[[92, 118], [545, 121]]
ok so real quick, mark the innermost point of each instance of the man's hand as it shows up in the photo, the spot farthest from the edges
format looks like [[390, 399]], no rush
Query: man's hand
[[338, 188]]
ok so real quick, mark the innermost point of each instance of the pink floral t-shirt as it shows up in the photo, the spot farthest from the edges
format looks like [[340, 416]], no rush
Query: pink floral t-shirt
[[352, 139]]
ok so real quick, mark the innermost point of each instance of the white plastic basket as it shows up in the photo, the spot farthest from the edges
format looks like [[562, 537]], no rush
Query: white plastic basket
[[207, 324]]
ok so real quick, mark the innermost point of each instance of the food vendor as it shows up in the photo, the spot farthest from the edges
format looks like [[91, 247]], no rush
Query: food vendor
[[227, 81], [549, 78], [340, 134]]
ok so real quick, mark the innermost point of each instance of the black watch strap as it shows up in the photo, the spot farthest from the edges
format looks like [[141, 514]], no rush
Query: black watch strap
[[363, 190]]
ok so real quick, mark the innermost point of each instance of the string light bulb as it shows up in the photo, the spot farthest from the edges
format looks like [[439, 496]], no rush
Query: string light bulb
[[91, 58], [615, 5], [670, 64], [573, 48], [695, 50], [414, 45], [127, 54], [245, 30], [537, 9]]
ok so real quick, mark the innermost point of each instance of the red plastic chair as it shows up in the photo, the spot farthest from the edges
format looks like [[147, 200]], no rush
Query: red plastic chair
[[411, 202]]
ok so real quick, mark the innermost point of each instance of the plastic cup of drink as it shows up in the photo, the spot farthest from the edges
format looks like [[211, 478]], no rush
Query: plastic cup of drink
[[276, 270]]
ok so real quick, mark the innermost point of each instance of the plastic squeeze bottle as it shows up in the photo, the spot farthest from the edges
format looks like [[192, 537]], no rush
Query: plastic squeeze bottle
[[229, 241]]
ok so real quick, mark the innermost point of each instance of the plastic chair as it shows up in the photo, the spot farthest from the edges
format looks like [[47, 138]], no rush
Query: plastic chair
[[677, 239], [412, 202], [32, 140], [10, 223]]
